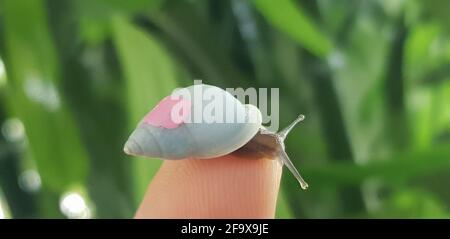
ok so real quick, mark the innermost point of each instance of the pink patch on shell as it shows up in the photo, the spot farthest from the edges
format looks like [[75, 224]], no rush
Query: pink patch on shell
[[161, 115]]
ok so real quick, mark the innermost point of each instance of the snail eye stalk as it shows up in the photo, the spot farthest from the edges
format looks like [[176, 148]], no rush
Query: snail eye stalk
[[281, 136], [283, 133]]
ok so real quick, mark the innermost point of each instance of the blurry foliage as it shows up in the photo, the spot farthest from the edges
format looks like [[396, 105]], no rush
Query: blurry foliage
[[372, 76]]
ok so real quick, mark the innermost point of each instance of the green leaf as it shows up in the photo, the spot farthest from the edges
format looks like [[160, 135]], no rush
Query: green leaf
[[33, 74], [290, 18], [131, 6], [150, 75], [401, 167], [93, 15]]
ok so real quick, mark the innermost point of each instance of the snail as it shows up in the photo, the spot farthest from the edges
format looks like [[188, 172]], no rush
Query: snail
[[173, 131]]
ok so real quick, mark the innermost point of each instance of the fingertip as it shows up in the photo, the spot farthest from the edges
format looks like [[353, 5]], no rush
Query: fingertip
[[224, 187]]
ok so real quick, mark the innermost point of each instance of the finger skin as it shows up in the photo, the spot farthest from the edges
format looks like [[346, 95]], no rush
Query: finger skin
[[224, 187]]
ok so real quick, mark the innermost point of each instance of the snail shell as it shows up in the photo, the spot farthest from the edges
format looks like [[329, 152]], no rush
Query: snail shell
[[158, 135], [195, 140]]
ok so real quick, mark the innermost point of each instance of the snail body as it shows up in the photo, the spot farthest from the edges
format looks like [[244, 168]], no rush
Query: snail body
[[171, 130]]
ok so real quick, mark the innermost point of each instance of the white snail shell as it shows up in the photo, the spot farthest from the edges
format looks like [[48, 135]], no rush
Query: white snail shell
[[159, 135]]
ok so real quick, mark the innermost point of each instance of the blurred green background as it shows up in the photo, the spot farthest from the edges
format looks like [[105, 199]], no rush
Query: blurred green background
[[373, 78]]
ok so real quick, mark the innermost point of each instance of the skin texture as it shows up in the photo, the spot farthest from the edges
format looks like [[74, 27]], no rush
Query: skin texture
[[226, 187]]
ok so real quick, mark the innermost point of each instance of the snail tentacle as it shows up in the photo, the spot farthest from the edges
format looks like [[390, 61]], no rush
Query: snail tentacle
[[283, 133], [281, 136], [286, 161]]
